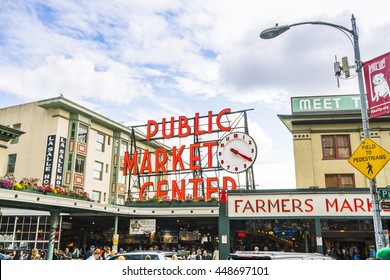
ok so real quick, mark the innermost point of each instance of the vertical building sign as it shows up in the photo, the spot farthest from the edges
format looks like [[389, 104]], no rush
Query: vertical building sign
[[60, 162], [377, 80], [47, 169]]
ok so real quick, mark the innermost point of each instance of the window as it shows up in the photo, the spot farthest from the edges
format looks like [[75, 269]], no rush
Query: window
[[98, 170], [16, 139], [123, 148], [72, 131], [121, 200], [339, 180], [116, 147], [69, 168], [82, 134], [336, 147], [114, 174], [96, 196], [122, 178], [100, 142], [11, 163], [80, 161]]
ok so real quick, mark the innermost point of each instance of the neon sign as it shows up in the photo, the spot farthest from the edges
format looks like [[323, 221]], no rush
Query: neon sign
[[174, 160]]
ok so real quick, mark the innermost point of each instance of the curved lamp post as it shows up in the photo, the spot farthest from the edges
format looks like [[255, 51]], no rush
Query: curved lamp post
[[273, 32]]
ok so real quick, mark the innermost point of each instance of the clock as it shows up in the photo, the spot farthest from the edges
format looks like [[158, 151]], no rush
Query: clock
[[237, 152]]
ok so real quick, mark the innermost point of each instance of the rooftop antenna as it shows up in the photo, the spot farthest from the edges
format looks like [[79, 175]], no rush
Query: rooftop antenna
[[337, 70]]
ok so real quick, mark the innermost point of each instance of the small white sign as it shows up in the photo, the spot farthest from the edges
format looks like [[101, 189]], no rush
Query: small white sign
[[224, 239]]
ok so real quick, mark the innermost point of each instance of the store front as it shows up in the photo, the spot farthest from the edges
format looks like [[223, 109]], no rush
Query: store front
[[302, 220], [170, 232], [23, 230]]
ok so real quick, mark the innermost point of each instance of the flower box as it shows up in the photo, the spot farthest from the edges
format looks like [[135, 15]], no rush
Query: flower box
[[211, 203]]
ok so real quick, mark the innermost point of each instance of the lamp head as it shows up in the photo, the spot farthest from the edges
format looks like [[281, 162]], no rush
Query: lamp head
[[272, 32]]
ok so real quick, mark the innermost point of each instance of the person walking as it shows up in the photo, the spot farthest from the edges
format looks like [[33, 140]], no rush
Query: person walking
[[216, 254], [95, 256], [56, 255], [67, 256], [192, 256], [356, 255], [206, 256], [89, 252]]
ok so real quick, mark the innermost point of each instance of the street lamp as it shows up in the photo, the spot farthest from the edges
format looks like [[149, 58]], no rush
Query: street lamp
[[273, 32]]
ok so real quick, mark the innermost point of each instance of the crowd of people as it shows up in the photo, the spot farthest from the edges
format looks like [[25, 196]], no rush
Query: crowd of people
[[180, 253], [350, 253], [104, 252]]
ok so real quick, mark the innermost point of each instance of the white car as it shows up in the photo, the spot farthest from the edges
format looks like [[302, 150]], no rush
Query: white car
[[276, 255], [141, 255]]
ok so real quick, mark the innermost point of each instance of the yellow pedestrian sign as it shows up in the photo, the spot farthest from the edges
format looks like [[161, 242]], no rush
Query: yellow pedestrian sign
[[369, 158]]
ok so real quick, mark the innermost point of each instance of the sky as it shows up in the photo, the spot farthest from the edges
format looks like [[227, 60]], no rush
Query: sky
[[134, 61]]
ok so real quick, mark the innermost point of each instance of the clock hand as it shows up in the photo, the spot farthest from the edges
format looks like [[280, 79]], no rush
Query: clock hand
[[234, 151]]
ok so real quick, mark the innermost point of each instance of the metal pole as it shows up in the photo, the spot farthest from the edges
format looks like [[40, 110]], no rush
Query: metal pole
[[223, 227], [379, 240], [54, 221]]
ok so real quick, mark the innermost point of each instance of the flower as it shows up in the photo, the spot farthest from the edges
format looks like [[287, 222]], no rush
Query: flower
[[59, 190], [29, 183], [45, 189], [129, 198], [6, 184], [18, 186]]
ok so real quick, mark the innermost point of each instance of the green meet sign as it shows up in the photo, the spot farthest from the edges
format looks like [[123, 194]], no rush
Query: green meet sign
[[327, 103]]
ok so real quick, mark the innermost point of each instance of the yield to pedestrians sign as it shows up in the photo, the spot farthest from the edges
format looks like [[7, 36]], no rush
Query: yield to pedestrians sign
[[369, 158]]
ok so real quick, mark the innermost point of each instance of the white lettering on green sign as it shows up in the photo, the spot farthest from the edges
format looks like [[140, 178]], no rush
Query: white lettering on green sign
[[325, 103]]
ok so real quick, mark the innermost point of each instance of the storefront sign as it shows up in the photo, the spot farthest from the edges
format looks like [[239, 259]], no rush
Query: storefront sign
[[299, 205], [186, 235], [175, 160], [60, 162], [142, 226], [48, 167], [377, 79], [325, 103]]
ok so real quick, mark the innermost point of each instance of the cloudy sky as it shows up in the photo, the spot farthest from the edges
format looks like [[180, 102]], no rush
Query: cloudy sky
[[133, 61]]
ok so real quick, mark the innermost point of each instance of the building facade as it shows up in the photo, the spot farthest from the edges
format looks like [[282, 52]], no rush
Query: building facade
[[326, 130], [69, 146]]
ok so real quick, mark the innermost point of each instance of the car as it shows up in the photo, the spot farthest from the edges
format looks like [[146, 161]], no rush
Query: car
[[276, 255], [168, 255], [4, 257], [140, 255]]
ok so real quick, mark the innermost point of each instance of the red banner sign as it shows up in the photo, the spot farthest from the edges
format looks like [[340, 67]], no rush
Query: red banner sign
[[377, 79]]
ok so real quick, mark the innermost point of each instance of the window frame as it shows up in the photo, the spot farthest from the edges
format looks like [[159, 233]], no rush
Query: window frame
[[336, 147], [98, 194], [98, 174], [82, 133], [100, 144], [339, 178], [13, 164], [81, 168]]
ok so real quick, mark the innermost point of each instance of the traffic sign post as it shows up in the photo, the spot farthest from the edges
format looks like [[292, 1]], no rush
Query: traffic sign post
[[369, 158]]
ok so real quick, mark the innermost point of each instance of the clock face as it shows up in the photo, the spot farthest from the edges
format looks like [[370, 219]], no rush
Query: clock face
[[237, 152]]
